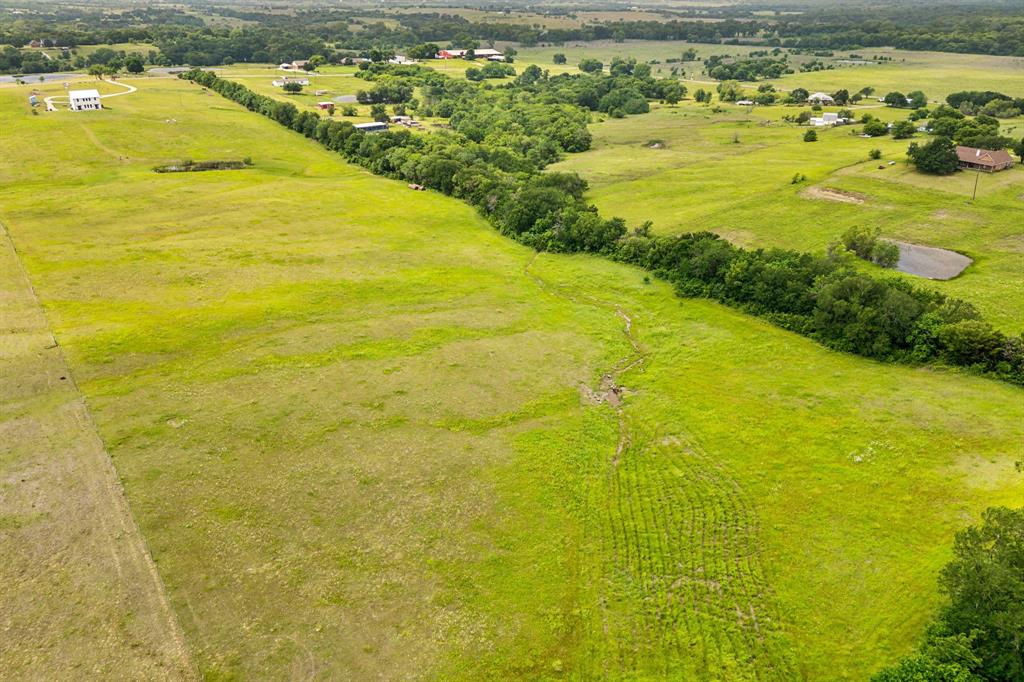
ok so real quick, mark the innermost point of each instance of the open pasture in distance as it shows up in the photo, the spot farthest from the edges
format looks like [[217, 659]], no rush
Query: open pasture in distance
[[689, 169], [545, 21], [935, 73], [367, 437]]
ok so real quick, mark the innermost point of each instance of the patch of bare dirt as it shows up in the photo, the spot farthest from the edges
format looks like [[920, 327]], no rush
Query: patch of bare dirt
[[1013, 243], [833, 194], [607, 392]]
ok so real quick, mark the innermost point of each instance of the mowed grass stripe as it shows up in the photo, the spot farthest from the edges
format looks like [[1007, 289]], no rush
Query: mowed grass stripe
[[81, 594]]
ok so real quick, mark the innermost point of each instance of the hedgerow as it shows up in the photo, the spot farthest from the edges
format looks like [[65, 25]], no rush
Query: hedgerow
[[494, 156]]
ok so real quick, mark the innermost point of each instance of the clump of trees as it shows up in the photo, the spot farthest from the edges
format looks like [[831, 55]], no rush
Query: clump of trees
[[724, 67], [986, 102], [977, 634], [936, 157], [912, 100], [494, 157], [980, 131], [866, 244], [490, 70]]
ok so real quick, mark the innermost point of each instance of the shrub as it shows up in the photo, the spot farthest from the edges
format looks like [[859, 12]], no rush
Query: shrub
[[875, 154], [811, 136]]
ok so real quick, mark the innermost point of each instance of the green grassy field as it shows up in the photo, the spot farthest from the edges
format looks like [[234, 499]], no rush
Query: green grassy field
[[935, 73], [364, 435], [732, 173]]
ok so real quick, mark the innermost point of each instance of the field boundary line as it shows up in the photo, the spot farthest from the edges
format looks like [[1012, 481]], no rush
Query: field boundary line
[[112, 488]]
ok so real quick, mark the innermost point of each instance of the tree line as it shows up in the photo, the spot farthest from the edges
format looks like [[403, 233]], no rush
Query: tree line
[[502, 139]]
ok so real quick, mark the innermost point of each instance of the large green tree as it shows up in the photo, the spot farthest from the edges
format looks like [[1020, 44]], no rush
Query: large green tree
[[937, 157], [985, 584]]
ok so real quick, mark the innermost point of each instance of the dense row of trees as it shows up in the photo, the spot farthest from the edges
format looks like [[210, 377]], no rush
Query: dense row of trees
[[493, 158]]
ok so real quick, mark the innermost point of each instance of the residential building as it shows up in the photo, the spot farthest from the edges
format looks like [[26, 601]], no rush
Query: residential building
[[821, 98], [482, 53], [84, 100], [988, 160], [827, 119], [283, 80]]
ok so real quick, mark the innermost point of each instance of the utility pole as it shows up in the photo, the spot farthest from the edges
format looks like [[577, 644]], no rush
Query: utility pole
[[977, 174]]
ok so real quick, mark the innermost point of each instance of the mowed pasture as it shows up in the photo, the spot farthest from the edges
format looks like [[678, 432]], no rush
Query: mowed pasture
[[688, 169], [365, 436], [935, 73]]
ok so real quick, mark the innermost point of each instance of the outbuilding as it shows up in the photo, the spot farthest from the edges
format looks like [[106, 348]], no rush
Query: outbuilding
[[374, 127], [84, 100], [821, 98]]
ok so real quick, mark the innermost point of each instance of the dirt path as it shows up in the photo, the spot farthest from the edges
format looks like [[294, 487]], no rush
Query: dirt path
[[80, 595]]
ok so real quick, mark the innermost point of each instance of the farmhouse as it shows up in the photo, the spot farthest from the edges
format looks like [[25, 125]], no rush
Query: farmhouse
[[284, 80], [827, 119], [483, 53], [987, 160], [294, 66], [325, 105], [821, 98], [84, 100], [745, 103], [374, 127]]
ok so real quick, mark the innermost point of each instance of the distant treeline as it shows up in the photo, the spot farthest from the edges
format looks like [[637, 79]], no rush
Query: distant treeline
[[182, 37], [493, 157]]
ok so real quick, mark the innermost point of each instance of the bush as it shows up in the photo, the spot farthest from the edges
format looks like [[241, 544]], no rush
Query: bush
[[875, 154], [811, 136], [875, 128], [866, 244], [885, 254]]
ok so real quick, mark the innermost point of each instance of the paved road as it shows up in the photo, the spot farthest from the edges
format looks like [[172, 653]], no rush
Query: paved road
[[34, 77]]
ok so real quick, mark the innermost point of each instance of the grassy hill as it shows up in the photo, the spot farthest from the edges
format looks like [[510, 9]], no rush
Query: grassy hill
[[365, 436]]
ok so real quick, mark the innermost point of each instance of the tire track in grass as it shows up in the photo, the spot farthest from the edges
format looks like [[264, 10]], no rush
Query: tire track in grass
[[684, 553]]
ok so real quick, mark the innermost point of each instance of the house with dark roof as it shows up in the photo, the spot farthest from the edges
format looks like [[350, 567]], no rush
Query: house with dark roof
[[988, 160]]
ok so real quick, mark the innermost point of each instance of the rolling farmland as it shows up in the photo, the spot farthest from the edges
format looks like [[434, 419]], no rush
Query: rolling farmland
[[365, 436]]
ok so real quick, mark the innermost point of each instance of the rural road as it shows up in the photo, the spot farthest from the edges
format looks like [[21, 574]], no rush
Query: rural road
[[50, 100], [36, 76]]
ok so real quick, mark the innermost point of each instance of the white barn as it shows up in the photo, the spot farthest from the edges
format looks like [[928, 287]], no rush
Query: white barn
[[821, 98], [84, 100]]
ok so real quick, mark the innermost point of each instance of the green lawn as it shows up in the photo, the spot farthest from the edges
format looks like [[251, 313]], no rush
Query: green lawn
[[732, 173], [352, 421]]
